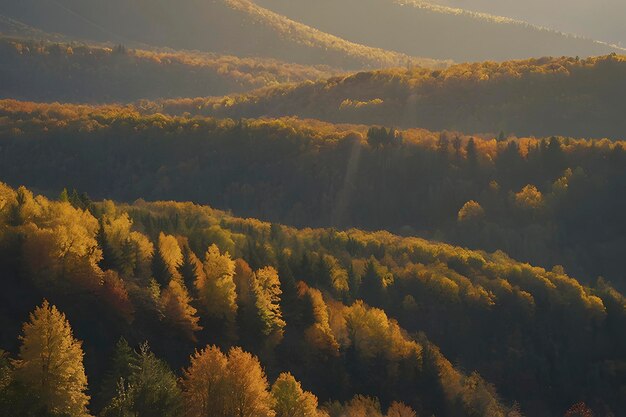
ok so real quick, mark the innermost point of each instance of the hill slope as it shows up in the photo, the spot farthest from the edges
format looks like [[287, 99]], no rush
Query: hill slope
[[546, 201], [470, 302], [142, 303], [417, 28], [542, 97], [601, 20], [36, 70], [233, 27]]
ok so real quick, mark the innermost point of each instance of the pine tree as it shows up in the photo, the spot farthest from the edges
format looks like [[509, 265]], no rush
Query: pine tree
[[151, 389], [289, 297], [372, 285], [51, 363], [123, 364], [64, 196], [191, 268]]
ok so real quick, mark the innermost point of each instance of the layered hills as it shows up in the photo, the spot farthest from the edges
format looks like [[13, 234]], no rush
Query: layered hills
[[420, 28], [542, 97], [206, 25]]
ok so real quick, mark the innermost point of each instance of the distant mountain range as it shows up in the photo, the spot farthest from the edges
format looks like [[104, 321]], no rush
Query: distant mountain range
[[418, 28], [235, 27], [346, 34]]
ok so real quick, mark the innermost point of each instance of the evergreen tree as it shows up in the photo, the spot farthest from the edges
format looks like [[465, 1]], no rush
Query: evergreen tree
[[151, 390], [124, 363]]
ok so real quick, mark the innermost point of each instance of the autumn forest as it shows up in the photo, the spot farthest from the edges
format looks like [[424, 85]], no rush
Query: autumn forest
[[357, 208]]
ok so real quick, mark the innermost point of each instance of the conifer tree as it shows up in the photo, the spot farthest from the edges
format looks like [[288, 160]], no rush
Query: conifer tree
[[149, 390]]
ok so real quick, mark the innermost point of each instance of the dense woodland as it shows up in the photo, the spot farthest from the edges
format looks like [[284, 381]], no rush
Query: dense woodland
[[143, 285], [552, 201], [38, 70], [542, 97], [419, 28], [205, 212], [213, 26]]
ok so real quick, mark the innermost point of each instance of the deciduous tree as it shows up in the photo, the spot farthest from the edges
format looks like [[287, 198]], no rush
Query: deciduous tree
[[50, 363]]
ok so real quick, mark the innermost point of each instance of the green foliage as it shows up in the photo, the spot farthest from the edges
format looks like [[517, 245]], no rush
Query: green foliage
[[146, 386]]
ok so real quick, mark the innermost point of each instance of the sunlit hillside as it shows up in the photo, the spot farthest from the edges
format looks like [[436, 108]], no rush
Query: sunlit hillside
[[80, 72], [331, 208], [521, 195], [419, 28], [213, 26], [546, 96], [143, 272]]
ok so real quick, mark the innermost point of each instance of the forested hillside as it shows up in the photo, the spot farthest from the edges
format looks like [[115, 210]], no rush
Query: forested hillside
[[38, 70], [180, 275], [553, 201], [542, 97], [418, 28], [291, 208], [205, 25]]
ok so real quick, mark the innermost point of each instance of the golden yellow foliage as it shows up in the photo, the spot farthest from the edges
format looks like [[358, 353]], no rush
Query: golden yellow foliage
[[290, 400], [397, 409], [267, 294], [247, 386], [529, 197], [471, 211], [51, 363], [178, 310], [204, 383], [216, 287]]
